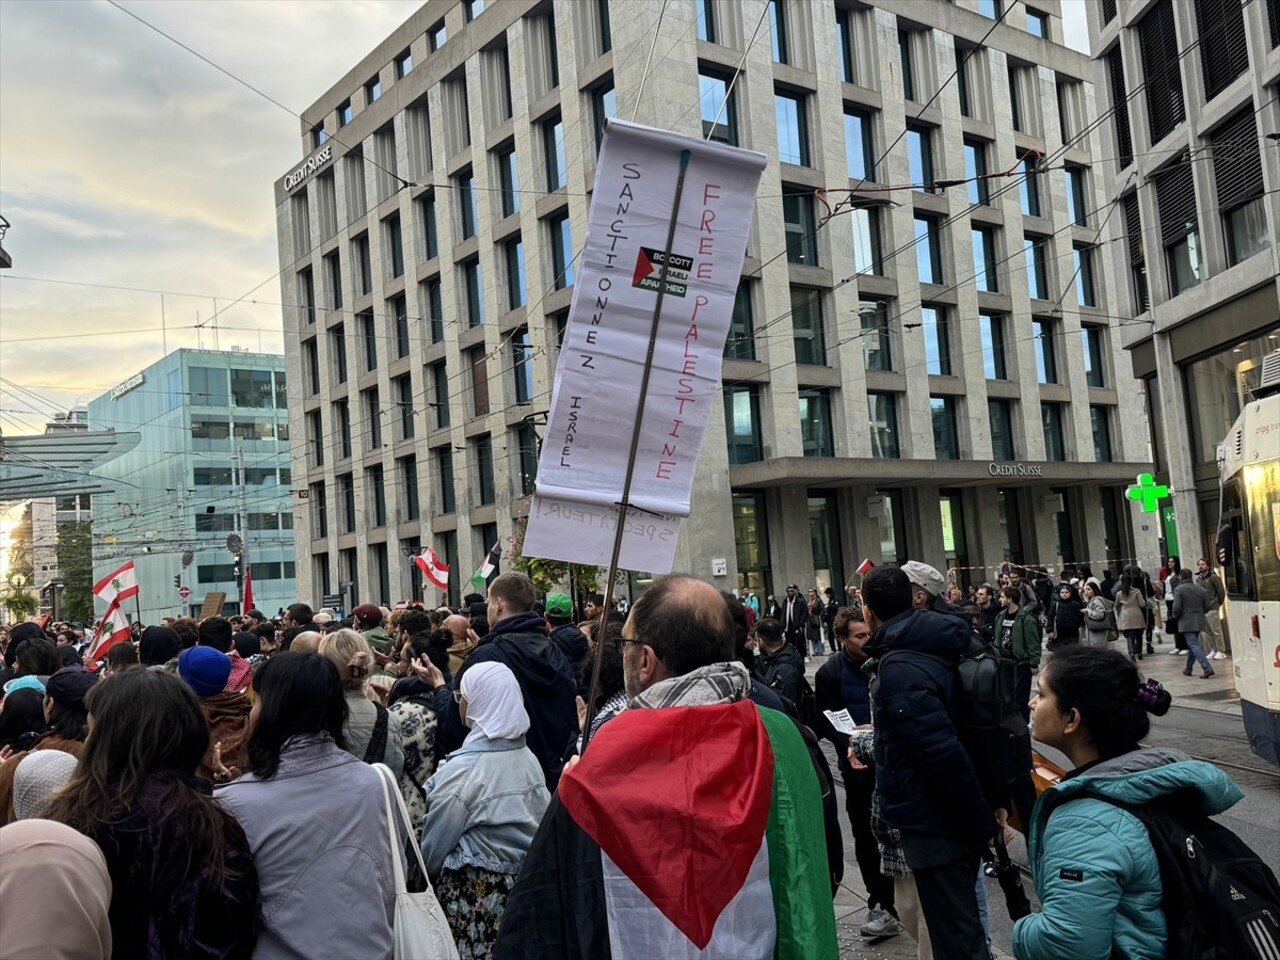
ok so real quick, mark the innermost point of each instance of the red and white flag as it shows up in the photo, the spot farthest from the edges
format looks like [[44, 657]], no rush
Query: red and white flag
[[866, 566], [433, 568], [247, 598], [113, 629], [117, 585]]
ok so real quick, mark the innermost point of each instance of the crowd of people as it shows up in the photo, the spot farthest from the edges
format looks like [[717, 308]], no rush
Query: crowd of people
[[218, 788]]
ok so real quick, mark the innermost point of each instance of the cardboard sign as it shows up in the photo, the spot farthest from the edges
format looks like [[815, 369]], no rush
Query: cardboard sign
[[213, 604]]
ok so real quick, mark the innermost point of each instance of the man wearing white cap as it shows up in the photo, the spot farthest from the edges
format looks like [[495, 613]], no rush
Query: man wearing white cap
[[927, 585]]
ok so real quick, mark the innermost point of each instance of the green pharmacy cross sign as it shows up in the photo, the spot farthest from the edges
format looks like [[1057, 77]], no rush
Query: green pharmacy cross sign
[[1147, 492]]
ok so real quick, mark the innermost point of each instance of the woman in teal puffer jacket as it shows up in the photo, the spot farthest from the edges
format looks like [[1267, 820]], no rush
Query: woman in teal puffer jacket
[[1093, 865]]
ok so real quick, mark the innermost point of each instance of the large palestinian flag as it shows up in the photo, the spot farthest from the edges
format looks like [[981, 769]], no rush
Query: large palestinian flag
[[683, 832]]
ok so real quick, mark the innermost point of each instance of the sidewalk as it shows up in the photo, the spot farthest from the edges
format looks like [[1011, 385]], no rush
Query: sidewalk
[[1215, 695]]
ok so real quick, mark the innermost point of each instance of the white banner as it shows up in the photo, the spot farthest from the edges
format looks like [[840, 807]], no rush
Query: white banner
[[581, 470]]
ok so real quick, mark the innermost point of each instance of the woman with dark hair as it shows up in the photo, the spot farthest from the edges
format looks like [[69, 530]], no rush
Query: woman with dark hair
[[182, 877], [411, 705], [315, 818], [1066, 617], [21, 716], [64, 727], [1093, 864], [119, 657], [1132, 612], [158, 646], [37, 657]]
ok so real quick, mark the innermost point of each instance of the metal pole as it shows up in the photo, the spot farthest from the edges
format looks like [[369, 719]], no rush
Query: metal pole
[[243, 521], [625, 503], [182, 566]]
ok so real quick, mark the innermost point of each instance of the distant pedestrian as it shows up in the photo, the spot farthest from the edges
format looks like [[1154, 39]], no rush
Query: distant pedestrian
[[813, 624], [1189, 607], [1213, 642], [1098, 611]]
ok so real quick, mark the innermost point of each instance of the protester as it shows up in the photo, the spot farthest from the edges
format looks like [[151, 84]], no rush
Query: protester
[[1096, 611], [1066, 618], [54, 894], [989, 611], [36, 777], [366, 619], [21, 718], [483, 808], [794, 618], [657, 838], [1093, 864], [839, 685], [368, 733], [227, 711], [1131, 612], [183, 880], [158, 646], [1018, 637], [565, 634], [779, 665], [119, 657], [464, 640], [929, 589], [315, 818], [412, 706], [1190, 604], [65, 728], [925, 782], [611, 695]]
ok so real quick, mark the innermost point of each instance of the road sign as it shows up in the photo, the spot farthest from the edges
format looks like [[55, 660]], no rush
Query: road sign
[[184, 592], [332, 600]]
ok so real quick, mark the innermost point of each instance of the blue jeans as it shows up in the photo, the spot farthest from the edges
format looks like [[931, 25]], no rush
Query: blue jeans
[[1195, 654]]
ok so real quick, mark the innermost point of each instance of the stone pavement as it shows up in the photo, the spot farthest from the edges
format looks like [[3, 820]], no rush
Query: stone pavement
[[1215, 695]]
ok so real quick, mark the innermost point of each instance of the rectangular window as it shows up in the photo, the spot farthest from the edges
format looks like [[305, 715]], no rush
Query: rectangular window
[[778, 31], [1000, 420], [338, 352], [877, 343], [1120, 106], [991, 328], [937, 341], [477, 362], [1246, 229], [553, 156], [437, 36], [815, 423], [513, 260], [882, 414], [1137, 260], [395, 246], [509, 182], [372, 90], [315, 438], [440, 394], [920, 157], [604, 106], [472, 9], [1037, 275], [1029, 188], [989, 8], [344, 113], [984, 259], [430, 231], [310, 367], [257, 430], [798, 223], [705, 12], [904, 59], [793, 130], [844, 43], [320, 511], [975, 171], [252, 388], [399, 308], [865, 224], [467, 213], [527, 447], [858, 145], [404, 65], [1237, 173], [740, 344], [373, 418], [1100, 423], [807, 326], [444, 470], [946, 439], [333, 280], [742, 423], [1076, 197], [362, 264], [369, 337], [1091, 341], [714, 101], [473, 292], [1037, 23], [342, 419], [434, 302], [484, 469], [1046, 351], [522, 365], [318, 136], [1055, 446], [211, 432], [346, 503], [1082, 257], [1179, 226], [1162, 68], [928, 249], [561, 251], [402, 389], [307, 293], [606, 33], [375, 487]]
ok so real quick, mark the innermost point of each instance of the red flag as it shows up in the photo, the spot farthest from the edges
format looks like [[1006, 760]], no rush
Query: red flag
[[247, 594], [113, 629], [866, 566], [433, 568]]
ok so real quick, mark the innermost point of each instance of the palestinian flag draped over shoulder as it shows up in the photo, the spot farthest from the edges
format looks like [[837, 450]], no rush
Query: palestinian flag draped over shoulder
[[683, 832]]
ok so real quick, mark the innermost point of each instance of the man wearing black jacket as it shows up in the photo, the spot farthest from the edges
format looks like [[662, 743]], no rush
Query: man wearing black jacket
[[779, 665], [793, 617], [926, 785]]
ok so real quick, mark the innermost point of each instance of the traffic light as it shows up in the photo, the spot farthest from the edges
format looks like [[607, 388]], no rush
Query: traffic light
[[177, 580]]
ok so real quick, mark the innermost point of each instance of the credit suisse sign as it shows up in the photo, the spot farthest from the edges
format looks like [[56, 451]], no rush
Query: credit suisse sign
[[1015, 469], [309, 166]]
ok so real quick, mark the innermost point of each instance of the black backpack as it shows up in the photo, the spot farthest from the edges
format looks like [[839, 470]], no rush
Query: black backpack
[[1221, 902]]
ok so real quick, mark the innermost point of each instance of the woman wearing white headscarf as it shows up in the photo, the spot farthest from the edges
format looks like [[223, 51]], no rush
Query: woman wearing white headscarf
[[484, 805], [54, 893]]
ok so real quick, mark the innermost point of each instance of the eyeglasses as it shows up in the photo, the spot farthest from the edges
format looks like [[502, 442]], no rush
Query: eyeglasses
[[623, 641], [457, 696]]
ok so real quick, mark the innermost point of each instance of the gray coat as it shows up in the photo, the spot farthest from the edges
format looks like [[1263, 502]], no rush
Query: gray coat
[[358, 730], [1190, 604], [1130, 609], [318, 830], [1211, 584]]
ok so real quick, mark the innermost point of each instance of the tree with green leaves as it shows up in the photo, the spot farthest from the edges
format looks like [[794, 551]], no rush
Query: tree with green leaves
[[75, 564]]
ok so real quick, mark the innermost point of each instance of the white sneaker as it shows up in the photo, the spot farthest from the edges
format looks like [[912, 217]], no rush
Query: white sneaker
[[880, 925], [1175, 652]]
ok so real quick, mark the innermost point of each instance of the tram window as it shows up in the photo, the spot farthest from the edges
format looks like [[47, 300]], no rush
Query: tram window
[[1262, 489], [1236, 567]]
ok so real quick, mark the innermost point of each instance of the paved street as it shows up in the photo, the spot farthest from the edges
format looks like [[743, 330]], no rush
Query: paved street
[[1204, 722]]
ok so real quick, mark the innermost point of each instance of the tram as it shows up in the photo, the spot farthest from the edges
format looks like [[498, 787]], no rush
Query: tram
[[1249, 552]]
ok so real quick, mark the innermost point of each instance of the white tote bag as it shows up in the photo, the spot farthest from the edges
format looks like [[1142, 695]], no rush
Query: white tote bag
[[421, 930]]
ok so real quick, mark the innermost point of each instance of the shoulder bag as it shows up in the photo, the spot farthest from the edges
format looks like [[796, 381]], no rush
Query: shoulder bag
[[421, 931]]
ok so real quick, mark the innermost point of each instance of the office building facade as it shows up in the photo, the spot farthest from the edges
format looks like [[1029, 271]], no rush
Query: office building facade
[[1192, 95], [178, 495], [930, 372]]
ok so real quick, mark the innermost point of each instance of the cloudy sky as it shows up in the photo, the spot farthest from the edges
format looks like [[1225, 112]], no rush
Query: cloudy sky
[[125, 161]]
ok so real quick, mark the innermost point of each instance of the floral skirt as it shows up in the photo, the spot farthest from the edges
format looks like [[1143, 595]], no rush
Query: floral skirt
[[473, 900]]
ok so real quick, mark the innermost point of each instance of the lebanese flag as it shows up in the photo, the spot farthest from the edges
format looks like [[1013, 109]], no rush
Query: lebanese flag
[[117, 585], [866, 566], [247, 594], [113, 629], [682, 832], [433, 568]]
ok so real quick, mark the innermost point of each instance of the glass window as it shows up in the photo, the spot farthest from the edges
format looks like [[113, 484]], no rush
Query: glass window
[[920, 157], [509, 182], [484, 468], [904, 57], [209, 430], [444, 471], [1221, 384], [368, 334], [778, 31], [399, 307], [474, 292], [435, 308], [338, 352], [1246, 229], [991, 328], [307, 290], [513, 257], [315, 438], [522, 365], [252, 388], [1055, 447], [209, 386], [946, 440], [706, 20], [1083, 263], [473, 9], [373, 418], [1075, 195], [527, 444], [807, 326], [815, 423], [342, 414], [882, 412], [937, 341], [344, 113], [858, 145], [877, 344], [1037, 23], [318, 136], [718, 120], [984, 259], [989, 8], [333, 276], [372, 90], [844, 41], [403, 390], [742, 423], [363, 264], [437, 36], [1000, 417], [404, 65], [1037, 276], [928, 253], [1029, 189], [430, 234], [467, 203], [975, 168], [1184, 261], [740, 344], [310, 366], [797, 216], [1046, 352], [395, 245], [793, 133], [604, 105], [553, 156], [865, 223], [561, 251], [440, 393], [1100, 423], [173, 389]]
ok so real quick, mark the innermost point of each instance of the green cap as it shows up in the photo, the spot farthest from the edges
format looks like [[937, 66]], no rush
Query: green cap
[[559, 605]]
